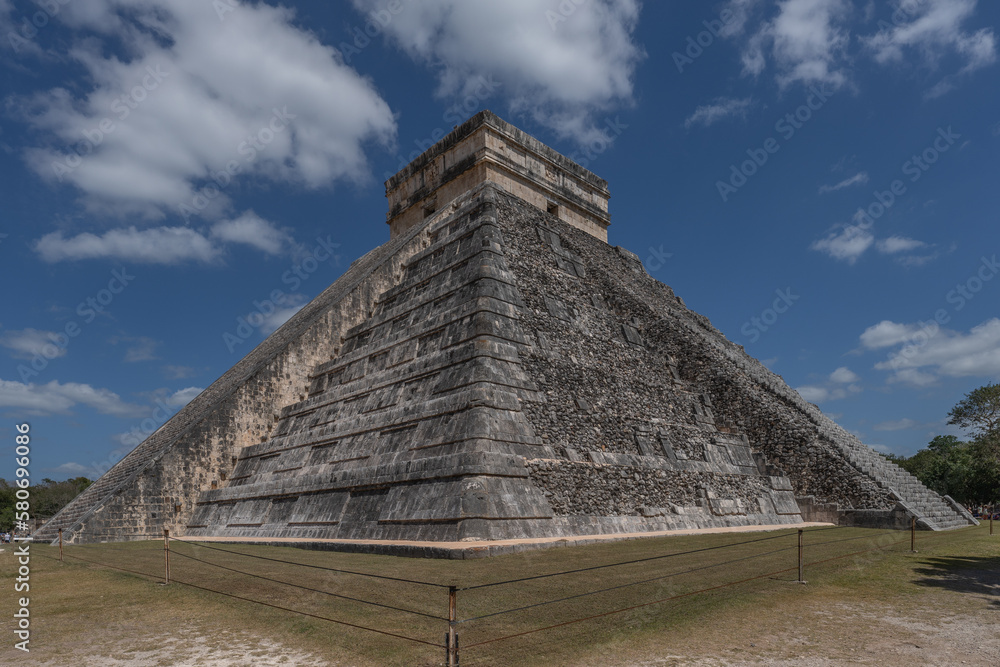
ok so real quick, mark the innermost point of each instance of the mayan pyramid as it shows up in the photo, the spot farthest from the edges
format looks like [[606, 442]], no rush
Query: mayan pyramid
[[496, 370]]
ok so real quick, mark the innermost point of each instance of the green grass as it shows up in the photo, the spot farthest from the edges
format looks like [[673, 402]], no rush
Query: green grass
[[73, 600]]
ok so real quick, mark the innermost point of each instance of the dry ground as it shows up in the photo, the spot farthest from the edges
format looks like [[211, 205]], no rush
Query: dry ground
[[886, 607]]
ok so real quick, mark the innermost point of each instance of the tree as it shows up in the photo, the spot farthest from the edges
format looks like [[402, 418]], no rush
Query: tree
[[943, 466], [47, 498], [984, 473], [7, 500], [979, 411]]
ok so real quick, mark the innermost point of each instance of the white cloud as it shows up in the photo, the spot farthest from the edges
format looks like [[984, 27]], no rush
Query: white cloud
[[720, 109], [71, 469], [897, 425], [940, 89], [178, 372], [820, 394], [740, 13], [806, 41], [917, 260], [897, 244], [142, 348], [886, 334], [200, 87], [813, 394], [28, 343], [562, 63], [858, 179], [55, 398], [843, 375], [183, 396], [934, 31], [254, 231], [158, 245], [848, 244], [929, 352], [167, 245], [840, 384], [293, 303], [912, 377]]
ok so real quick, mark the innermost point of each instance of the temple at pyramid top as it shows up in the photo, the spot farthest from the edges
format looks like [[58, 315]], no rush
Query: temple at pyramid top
[[487, 148]]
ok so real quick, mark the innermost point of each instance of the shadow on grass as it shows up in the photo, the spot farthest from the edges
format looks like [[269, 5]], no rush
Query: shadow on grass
[[963, 574]]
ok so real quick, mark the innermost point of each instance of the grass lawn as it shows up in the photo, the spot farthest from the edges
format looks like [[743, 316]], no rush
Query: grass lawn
[[873, 601]]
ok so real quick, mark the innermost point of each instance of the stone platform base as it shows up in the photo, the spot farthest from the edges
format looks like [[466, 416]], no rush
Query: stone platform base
[[481, 549]]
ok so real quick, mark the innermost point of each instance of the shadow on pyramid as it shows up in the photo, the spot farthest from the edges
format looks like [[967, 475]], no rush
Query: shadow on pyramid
[[495, 372]]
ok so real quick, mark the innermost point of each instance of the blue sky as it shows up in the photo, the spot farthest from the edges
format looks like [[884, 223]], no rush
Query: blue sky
[[818, 177]]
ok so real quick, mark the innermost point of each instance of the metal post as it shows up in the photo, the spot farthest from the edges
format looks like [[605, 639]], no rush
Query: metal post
[[60, 541], [913, 535], [991, 520], [452, 638], [166, 556], [800, 557]]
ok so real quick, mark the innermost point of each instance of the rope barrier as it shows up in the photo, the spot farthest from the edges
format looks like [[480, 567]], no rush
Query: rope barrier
[[106, 547], [637, 606], [317, 567], [627, 562], [856, 553], [267, 604], [879, 540], [114, 567], [851, 539], [682, 595], [634, 583], [313, 590]]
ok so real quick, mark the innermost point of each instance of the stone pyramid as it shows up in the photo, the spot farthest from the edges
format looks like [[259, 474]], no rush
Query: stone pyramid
[[495, 371]]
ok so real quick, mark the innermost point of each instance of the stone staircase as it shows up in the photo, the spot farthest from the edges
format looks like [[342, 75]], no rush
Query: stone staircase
[[160, 441], [95, 494], [933, 512]]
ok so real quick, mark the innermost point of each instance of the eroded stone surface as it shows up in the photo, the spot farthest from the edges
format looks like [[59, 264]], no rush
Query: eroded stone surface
[[494, 373]]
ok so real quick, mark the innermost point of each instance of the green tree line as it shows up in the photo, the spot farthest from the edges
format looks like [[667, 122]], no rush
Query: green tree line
[[968, 471], [45, 499]]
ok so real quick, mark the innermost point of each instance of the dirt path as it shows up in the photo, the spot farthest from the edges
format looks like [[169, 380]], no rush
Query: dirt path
[[852, 634], [188, 649]]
